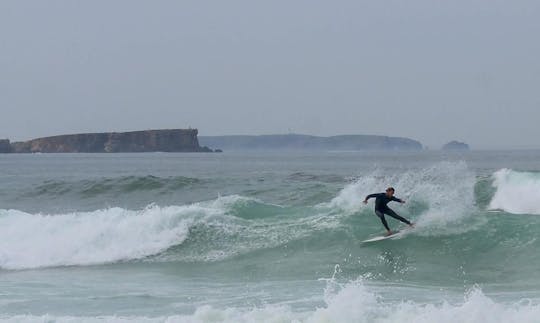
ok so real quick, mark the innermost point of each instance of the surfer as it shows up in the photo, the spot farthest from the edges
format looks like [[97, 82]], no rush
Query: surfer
[[381, 207]]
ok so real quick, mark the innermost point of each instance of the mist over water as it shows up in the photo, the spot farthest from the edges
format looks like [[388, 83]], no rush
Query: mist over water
[[268, 237]]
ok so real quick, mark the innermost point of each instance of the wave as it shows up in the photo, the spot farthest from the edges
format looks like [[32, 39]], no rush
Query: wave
[[206, 231], [35, 240], [516, 192], [352, 302], [440, 199], [117, 185]]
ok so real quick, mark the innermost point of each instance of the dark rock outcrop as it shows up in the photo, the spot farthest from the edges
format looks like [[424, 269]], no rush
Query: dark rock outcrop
[[305, 142], [455, 146], [5, 146], [169, 140]]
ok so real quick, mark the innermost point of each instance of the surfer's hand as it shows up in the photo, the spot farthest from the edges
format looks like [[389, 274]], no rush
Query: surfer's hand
[[402, 201], [365, 201]]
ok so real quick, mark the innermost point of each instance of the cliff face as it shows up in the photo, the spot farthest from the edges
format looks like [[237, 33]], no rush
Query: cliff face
[[5, 146], [170, 140]]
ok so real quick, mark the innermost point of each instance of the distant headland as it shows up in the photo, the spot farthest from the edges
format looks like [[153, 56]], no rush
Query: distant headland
[[306, 142], [166, 140]]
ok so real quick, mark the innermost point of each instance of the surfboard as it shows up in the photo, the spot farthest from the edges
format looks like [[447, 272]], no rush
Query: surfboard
[[379, 238], [394, 235]]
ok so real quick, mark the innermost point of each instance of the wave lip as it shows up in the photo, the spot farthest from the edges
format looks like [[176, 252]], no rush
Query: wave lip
[[86, 238], [516, 192]]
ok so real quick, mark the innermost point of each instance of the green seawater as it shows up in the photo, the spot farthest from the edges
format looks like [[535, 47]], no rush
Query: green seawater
[[275, 237]]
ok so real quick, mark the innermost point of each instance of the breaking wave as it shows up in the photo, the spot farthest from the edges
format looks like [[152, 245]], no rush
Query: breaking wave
[[352, 302], [438, 197], [516, 192], [206, 231]]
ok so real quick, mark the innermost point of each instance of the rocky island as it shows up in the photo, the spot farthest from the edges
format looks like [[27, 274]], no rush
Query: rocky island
[[167, 140], [456, 146]]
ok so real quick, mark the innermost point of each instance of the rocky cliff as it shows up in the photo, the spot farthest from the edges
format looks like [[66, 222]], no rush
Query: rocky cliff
[[169, 140], [5, 146]]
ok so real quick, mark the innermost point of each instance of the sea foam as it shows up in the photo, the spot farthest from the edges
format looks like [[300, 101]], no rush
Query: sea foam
[[516, 192], [353, 302], [85, 238]]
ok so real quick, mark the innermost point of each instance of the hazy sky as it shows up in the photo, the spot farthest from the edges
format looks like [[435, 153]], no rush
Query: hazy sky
[[429, 70]]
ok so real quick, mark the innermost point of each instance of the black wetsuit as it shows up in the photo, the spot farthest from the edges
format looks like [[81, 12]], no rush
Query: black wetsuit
[[381, 208]]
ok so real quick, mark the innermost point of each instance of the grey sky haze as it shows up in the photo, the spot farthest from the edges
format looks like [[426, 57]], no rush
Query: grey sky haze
[[429, 70]]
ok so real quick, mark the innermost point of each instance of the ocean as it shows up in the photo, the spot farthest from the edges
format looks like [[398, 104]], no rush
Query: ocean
[[269, 237]]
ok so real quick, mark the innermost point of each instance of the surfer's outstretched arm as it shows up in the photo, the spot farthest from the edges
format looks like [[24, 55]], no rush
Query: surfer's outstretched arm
[[370, 196], [395, 199]]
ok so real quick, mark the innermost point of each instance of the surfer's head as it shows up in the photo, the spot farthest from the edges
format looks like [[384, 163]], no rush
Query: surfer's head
[[390, 191]]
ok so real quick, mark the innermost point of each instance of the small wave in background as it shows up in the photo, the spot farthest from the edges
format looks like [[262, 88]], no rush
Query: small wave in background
[[112, 185]]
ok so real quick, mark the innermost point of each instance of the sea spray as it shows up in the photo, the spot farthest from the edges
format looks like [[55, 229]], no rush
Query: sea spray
[[438, 197]]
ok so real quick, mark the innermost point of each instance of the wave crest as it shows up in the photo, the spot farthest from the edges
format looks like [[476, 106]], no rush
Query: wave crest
[[109, 235]]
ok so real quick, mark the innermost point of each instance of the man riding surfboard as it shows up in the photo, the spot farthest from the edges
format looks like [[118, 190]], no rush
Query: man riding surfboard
[[381, 207]]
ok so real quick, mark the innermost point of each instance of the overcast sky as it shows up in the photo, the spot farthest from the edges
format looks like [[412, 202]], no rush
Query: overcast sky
[[429, 70]]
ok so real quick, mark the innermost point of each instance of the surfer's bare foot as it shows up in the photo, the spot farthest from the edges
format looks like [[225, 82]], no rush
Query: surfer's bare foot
[[389, 233], [411, 225]]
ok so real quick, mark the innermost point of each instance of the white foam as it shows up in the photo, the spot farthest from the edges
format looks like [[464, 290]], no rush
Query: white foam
[[516, 192], [116, 234], [355, 303], [102, 236], [446, 188], [350, 303]]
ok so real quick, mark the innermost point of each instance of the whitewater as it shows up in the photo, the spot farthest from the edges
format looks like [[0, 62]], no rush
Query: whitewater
[[268, 237]]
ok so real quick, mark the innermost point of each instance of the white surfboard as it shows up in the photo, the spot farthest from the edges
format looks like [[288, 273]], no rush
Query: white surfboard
[[394, 235]]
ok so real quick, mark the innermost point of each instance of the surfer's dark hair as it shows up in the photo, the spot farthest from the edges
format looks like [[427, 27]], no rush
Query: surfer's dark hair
[[390, 189]]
